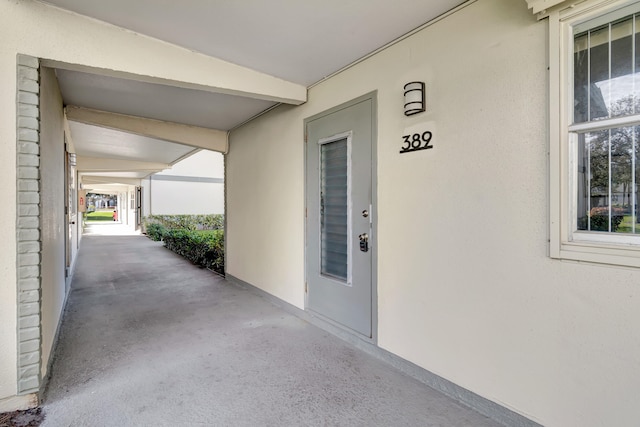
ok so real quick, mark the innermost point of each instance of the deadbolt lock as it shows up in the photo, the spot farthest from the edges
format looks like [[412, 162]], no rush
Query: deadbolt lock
[[364, 242]]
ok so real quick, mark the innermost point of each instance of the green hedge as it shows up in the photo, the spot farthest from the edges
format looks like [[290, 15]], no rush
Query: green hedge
[[205, 248], [599, 217], [156, 231], [601, 222], [187, 222], [198, 238]]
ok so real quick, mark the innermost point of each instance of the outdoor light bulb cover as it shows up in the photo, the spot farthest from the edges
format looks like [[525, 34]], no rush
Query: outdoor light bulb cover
[[414, 99]]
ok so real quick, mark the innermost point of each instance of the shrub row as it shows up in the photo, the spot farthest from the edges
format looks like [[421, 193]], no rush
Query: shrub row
[[198, 238], [599, 217], [187, 222], [156, 231], [601, 222], [205, 248]]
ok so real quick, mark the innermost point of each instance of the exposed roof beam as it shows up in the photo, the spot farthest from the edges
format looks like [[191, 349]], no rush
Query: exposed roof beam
[[193, 136], [223, 77], [94, 181], [101, 164]]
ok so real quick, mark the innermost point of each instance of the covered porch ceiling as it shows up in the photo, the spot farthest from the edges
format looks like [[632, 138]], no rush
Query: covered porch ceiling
[[125, 128]]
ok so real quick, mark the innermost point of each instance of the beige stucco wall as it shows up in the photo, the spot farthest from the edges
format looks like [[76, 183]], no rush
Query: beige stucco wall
[[54, 223], [204, 163], [185, 198], [265, 203], [465, 285], [35, 29], [8, 308], [188, 197]]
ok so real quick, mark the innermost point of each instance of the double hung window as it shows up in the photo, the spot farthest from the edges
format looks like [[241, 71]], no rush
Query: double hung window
[[596, 150]]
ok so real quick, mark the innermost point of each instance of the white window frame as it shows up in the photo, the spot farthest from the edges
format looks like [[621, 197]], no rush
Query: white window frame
[[565, 241]]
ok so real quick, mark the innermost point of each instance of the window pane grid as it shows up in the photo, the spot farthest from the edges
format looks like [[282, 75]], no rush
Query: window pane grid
[[605, 116], [608, 180], [605, 63]]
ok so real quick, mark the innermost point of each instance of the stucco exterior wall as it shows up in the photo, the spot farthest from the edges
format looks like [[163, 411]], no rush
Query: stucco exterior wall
[[54, 223], [8, 273], [193, 186], [204, 163], [265, 197], [146, 199], [186, 198], [466, 288]]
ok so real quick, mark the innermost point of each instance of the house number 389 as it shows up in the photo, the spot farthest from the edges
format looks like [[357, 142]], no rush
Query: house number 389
[[416, 141]]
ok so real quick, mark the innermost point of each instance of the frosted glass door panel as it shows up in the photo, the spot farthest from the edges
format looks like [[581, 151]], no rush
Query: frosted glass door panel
[[334, 204]]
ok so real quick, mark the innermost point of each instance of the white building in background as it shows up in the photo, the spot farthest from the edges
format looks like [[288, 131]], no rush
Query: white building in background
[[125, 202], [193, 186]]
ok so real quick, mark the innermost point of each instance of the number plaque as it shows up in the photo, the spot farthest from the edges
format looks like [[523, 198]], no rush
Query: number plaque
[[416, 141]]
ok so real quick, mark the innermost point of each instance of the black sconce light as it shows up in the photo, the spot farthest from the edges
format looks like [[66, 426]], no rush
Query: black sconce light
[[414, 101]]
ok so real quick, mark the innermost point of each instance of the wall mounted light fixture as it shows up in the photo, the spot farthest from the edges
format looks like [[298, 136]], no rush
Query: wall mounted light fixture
[[414, 100]]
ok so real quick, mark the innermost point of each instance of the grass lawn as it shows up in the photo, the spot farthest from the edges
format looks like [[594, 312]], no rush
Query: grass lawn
[[625, 225], [99, 216]]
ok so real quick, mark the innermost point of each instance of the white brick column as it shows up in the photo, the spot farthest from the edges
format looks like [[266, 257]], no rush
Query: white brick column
[[28, 225]]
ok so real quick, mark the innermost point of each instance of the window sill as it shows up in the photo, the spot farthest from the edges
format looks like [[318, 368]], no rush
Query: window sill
[[599, 253]]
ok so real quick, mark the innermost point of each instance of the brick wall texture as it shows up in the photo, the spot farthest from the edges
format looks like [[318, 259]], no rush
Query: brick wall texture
[[28, 225]]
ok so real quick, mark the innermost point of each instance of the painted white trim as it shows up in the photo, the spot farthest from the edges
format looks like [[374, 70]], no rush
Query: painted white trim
[[614, 14], [555, 148], [603, 124], [334, 138], [99, 164], [633, 241], [90, 180], [538, 6], [546, 8]]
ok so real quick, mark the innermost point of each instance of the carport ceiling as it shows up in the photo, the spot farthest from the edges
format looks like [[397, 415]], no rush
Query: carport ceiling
[[110, 143], [157, 101], [297, 40]]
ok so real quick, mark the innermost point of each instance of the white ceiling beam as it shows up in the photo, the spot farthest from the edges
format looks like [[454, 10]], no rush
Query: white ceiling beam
[[223, 77], [101, 164], [192, 136], [94, 181]]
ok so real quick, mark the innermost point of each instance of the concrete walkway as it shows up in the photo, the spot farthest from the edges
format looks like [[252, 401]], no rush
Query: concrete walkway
[[109, 228], [150, 340]]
